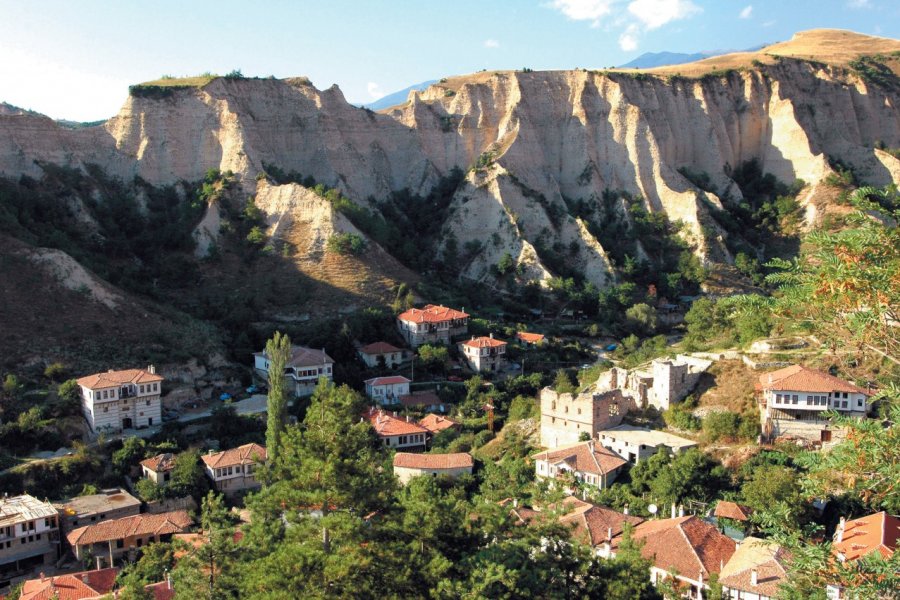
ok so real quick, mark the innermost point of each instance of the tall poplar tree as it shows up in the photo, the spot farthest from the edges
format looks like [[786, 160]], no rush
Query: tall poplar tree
[[278, 352]]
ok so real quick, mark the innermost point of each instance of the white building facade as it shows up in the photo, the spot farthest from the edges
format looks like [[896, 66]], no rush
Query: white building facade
[[118, 400], [29, 533], [303, 370], [387, 390], [484, 354]]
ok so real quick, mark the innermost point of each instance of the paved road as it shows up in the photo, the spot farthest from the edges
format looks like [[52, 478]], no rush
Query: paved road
[[253, 405]]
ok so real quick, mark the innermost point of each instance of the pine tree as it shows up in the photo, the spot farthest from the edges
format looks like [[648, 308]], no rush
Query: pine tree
[[278, 351]]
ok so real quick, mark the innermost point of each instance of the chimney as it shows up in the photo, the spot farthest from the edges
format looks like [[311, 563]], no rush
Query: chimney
[[754, 577], [625, 510], [168, 581], [609, 533], [608, 547], [515, 503], [840, 530], [492, 335], [681, 510], [98, 563], [407, 418], [43, 577], [673, 510], [151, 369], [84, 578]]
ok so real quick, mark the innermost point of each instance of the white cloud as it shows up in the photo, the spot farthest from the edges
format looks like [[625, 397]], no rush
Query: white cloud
[[769, 23], [745, 14], [374, 90], [628, 41], [656, 13], [491, 44], [584, 10], [859, 3]]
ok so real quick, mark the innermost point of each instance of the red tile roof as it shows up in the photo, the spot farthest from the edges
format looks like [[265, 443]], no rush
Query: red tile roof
[[457, 460], [242, 455], [593, 524], [436, 423], [687, 545], [379, 348], [137, 525], [873, 533], [74, 586], [304, 357], [484, 342], [387, 425], [798, 378], [530, 338], [766, 558], [111, 379], [389, 380], [161, 591], [160, 462], [586, 457], [432, 314], [732, 510], [421, 398]]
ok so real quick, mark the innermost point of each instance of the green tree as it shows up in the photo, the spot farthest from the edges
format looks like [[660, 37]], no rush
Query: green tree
[[506, 264], [721, 424], [212, 570], [188, 478], [278, 352], [771, 484], [434, 358], [155, 563], [641, 318], [563, 382]]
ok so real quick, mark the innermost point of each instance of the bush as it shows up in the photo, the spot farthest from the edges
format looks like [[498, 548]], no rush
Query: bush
[[721, 425], [680, 417], [346, 243], [55, 371]]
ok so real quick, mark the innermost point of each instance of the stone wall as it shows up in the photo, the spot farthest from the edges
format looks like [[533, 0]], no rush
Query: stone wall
[[564, 417]]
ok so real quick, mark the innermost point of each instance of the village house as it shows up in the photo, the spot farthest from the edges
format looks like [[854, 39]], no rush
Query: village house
[[530, 339], [484, 354], [387, 390], [566, 417], [588, 462], [108, 541], [755, 571], [639, 443], [425, 400], [436, 423], [432, 325], [85, 585], [113, 503], [117, 400], [396, 432], [303, 370], [158, 469], [687, 547], [233, 471], [408, 465], [381, 354], [29, 533], [857, 538], [793, 402], [667, 382]]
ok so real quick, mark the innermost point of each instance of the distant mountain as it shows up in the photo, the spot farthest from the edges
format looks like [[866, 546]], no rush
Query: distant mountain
[[8, 109], [648, 60], [397, 97]]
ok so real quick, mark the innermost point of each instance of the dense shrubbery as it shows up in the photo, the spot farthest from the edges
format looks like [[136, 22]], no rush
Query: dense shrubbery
[[346, 243]]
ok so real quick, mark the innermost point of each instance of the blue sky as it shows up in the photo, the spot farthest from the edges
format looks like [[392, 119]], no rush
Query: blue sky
[[76, 59]]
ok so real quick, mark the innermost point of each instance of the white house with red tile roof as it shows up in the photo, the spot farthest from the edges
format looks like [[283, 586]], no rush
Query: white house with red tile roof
[[484, 354], [387, 390], [432, 325], [117, 400], [111, 539], [436, 423], [381, 354], [877, 533], [687, 546], [396, 432], [158, 469], [408, 465], [530, 339], [754, 571], [588, 462], [303, 370], [234, 470], [794, 399], [85, 585]]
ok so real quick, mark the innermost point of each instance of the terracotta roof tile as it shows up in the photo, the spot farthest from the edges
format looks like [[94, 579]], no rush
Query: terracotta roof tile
[[530, 338], [484, 342], [456, 460], [74, 586], [160, 462], [379, 348], [161, 591], [387, 425], [765, 557], [111, 379], [421, 398], [436, 423], [390, 380], [304, 357], [242, 455], [585, 457], [798, 378], [732, 510], [137, 525], [873, 533], [431, 314], [685, 544], [593, 524]]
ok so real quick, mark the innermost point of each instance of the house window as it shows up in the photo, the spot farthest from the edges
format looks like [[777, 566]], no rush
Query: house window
[[795, 399], [142, 389], [120, 543], [148, 403], [859, 402]]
